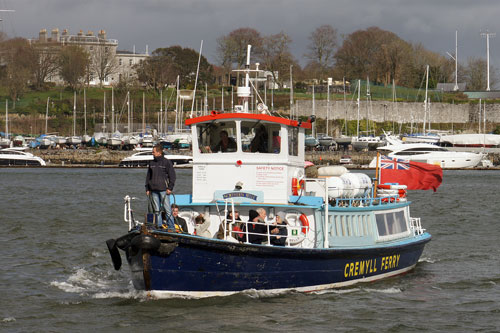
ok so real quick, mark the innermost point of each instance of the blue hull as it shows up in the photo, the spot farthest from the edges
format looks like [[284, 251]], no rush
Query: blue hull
[[195, 264]]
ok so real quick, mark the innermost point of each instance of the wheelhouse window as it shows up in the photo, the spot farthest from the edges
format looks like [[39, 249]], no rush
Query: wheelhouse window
[[293, 141], [391, 224], [217, 137], [258, 137]]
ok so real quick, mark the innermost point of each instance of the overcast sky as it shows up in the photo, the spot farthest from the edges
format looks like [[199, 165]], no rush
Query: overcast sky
[[163, 23]]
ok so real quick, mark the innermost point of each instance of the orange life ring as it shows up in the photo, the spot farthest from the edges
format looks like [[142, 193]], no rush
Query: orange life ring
[[383, 186], [305, 223], [297, 185]]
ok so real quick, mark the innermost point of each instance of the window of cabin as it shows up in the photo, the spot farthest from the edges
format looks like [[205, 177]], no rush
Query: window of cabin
[[392, 223], [258, 137], [293, 141], [217, 137]]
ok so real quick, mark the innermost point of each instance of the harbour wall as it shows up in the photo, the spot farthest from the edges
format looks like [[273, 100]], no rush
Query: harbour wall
[[382, 111]]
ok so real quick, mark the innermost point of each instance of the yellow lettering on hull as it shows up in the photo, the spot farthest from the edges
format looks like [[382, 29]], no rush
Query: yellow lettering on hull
[[369, 266]]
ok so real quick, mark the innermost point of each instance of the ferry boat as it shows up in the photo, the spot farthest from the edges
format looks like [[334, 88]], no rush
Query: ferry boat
[[338, 231], [18, 157]]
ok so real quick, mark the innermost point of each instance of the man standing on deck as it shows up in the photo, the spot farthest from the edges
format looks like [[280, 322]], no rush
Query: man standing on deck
[[160, 181]]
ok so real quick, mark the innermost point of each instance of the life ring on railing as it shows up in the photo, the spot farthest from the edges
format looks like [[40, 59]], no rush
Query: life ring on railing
[[305, 223], [297, 185]]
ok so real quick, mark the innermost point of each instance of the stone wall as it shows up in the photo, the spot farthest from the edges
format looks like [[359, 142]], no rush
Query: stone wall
[[381, 111]]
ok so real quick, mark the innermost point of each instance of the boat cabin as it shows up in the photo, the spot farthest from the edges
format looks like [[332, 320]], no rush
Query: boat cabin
[[248, 157]]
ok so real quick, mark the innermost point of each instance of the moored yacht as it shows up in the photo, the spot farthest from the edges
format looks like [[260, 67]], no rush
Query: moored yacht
[[142, 159], [18, 157], [431, 154]]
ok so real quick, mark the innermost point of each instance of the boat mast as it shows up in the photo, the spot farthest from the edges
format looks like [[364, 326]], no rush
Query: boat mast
[[196, 79], [161, 112], [425, 101], [291, 93], [143, 113], [177, 106], [74, 113], [84, 109], [104, 115], [327, 104], [313, 113], [345, 109], [7, 119], [47, 115], [358, 100], [112, 110], [128, 112]]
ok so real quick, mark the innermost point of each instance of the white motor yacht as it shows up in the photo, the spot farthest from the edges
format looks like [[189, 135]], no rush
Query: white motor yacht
[[144, 156], [431, 154], [18, 157]]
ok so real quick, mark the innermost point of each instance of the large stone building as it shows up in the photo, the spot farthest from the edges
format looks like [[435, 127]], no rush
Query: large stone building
[[119, 65]]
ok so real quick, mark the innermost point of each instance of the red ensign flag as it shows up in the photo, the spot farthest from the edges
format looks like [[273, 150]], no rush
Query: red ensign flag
[[415, 175]]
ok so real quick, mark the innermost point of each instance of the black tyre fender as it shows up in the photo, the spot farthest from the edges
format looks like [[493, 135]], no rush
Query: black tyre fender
[[115, 254], [145, 243]]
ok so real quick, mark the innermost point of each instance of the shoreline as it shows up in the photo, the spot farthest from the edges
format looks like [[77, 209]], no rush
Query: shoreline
[[104, 158]]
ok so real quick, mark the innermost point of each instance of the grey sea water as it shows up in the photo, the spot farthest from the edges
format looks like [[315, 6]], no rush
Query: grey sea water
[[57, 276]]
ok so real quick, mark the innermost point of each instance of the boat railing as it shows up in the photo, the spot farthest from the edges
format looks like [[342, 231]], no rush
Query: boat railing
[[128, 213], [228, 226], [416, 226]]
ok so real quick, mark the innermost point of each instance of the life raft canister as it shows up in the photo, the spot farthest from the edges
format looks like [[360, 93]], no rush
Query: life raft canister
[[297, 185]]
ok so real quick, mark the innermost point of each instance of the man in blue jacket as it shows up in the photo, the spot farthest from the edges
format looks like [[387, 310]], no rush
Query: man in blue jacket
[[160, 181]]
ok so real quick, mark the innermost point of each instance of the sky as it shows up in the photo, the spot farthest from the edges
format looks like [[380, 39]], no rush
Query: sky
[[164, 23]]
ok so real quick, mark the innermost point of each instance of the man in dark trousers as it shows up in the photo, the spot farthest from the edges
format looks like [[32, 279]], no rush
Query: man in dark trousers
[[160, 181]]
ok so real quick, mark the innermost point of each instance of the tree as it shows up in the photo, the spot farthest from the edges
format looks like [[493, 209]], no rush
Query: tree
[[232, 49], [103, 62], [475, 74], [74, 62], [323, 42], [20, 59], [46, 65], [277, 57], [166, 63]]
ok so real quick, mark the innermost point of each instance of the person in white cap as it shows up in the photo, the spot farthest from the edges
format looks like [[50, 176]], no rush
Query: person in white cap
[[279, 231]]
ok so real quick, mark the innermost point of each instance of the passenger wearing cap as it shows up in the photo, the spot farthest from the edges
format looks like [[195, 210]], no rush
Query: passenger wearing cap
[[256, 228], [278, 230]]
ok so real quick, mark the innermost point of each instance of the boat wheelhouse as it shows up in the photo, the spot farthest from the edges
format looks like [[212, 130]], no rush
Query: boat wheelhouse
[[337, 231]]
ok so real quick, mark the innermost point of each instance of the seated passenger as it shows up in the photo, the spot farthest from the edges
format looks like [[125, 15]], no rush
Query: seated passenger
[[278, 230], [226, 143], [234, 231], [180, 223], [256, 229], [259, 142], [202, 225]]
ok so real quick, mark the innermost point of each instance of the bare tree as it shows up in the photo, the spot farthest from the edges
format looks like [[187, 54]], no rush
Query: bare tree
[[20, 60], [232, 49], [475, 74], [103, 62], [277, 57], [47, 64], [74, 62], [323, 42]]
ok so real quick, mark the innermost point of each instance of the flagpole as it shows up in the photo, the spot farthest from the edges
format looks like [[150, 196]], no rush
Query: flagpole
[[376, 175]]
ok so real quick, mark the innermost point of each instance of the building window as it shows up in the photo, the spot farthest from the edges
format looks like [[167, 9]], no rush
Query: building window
[[130, 62], [120, 61]]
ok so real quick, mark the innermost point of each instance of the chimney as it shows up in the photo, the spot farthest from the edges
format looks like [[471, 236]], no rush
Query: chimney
[[42, 36], [55, 35], [90, 33], [102, 34], [80, 33], [65, 32]]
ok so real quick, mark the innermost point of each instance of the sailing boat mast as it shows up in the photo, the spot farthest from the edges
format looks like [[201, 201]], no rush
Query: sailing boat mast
[[425, 101], [85, 109], [74, 113], [104, 115], [358, 101], [143, 113], [47, 116], [112, 111]]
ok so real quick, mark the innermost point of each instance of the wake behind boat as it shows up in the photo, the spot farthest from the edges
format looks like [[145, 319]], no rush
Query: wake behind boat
[[337, 232]]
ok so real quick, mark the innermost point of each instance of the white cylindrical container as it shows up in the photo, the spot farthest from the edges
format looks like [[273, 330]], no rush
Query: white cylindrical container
[[335, 187], [332, 171]]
